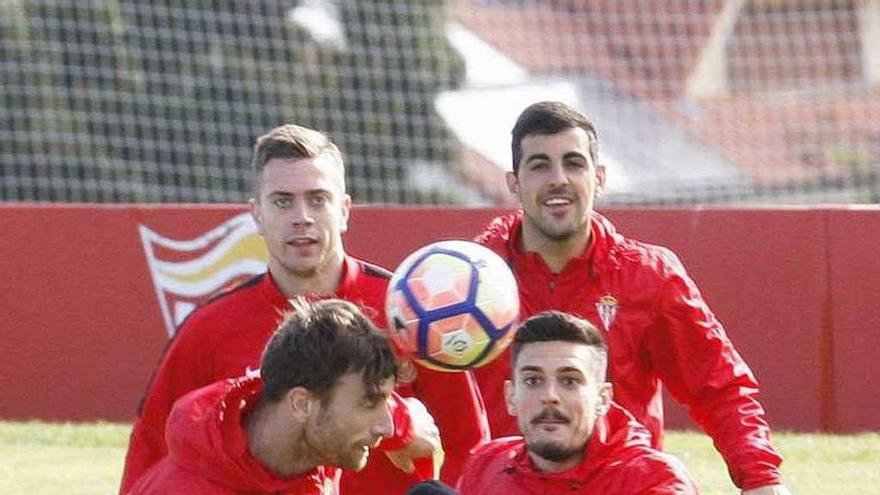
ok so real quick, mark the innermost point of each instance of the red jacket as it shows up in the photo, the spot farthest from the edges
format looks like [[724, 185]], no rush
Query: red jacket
[[226, 336], [208, 449], [618, 460], [658, 328]]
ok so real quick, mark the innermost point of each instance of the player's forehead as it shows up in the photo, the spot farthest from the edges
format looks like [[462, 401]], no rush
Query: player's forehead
[[302, 175], [572, 140], [351, 387], [554, 357]]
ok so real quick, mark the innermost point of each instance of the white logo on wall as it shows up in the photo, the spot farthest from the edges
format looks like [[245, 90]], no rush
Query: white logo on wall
[[186, 272]]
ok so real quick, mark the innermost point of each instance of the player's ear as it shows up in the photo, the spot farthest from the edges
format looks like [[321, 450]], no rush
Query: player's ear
[[600, 178], [345, 213], [254, 205], [512, 182], [606, 394], [300, 402], [509, 399]]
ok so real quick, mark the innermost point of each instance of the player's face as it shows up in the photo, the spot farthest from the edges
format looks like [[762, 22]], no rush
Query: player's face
[[350, 422], [302, 211], [556, 184], [557, 399]]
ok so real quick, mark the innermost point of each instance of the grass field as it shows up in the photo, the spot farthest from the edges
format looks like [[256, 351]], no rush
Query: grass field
[[79, 459]]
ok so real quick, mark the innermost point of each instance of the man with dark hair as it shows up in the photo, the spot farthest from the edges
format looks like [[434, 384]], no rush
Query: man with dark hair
[[323, 399], [301, 209], [568, 257], [574, 438]]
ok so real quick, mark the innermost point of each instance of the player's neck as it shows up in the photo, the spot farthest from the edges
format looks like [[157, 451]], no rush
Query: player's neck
[[272, 440], [556, 253], [323, 282]]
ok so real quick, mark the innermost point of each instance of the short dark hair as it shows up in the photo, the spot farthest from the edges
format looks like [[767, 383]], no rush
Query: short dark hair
[[550, 117], [557, 326], [321, 341], [291, 141]]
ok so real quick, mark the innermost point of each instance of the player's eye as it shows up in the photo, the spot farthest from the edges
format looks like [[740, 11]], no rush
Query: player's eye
[[569, 381], [532, 381], [318, 200], [281, 202]]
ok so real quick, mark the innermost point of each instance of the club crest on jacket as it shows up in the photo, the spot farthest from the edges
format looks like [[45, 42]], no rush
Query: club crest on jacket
[[607, 309]]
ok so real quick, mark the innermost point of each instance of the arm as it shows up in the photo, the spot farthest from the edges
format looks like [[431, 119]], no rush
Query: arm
[[415, 445], [662, 474], [181, 369], [768, 490], [455, 403], [697, 362]]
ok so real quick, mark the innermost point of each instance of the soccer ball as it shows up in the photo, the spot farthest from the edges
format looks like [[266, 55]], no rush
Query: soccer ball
[[452, 305]]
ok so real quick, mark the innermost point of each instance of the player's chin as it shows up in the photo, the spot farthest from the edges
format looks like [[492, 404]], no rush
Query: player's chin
[[357, 459], [555, 434]]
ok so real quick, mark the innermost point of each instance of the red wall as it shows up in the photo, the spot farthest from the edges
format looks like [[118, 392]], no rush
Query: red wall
[[81, 326]]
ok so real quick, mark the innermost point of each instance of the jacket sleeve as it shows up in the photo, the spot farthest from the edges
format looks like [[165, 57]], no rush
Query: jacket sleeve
[[182, 368], [455, 403], [403, 427], [697, 362], [659, 474]]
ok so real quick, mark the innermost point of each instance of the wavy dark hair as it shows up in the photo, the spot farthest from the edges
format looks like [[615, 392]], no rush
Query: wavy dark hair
[[320, 341]]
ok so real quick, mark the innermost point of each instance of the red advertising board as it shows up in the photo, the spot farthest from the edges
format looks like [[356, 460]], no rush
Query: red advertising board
[[91, 293]]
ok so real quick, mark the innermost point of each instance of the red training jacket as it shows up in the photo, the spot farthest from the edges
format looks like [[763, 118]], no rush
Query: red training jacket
[[225, 337], [208, 448], [618, 460], [658, 328]]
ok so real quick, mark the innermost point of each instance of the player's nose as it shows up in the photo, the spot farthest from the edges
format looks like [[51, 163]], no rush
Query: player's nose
[[300, 213], [384, 425]]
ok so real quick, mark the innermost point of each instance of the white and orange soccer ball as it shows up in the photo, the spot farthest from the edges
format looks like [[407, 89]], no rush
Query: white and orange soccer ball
[[452, 305]]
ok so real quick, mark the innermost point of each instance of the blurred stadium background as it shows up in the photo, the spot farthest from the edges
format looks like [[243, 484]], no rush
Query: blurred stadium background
[[697, 101]]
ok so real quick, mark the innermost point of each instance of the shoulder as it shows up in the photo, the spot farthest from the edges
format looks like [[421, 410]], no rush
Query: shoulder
[[485, 469], [643, 257], [370, 280], [373, 273], [166, 478], [497, 453], [500, 231], [654, 472], [226, 304]]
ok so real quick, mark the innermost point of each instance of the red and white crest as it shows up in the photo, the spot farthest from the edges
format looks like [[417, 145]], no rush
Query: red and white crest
[[607, 309]]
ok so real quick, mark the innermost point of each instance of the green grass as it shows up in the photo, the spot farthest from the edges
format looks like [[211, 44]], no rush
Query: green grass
[[79, 459], [53, 458]]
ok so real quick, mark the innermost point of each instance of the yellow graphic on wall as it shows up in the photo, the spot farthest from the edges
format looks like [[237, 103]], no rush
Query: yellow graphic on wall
[[187, 272]]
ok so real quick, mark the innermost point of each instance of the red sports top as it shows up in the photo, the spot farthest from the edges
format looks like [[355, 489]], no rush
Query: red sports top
[[208, 448], [658, 328], [225, 337], [618, 460]]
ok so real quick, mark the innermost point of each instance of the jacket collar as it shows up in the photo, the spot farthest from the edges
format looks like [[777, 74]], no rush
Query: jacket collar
[[206, 435], [504, 236], [617, 436]]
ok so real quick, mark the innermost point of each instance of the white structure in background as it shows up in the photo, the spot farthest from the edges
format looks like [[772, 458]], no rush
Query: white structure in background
[[496, 90], [647, 156]]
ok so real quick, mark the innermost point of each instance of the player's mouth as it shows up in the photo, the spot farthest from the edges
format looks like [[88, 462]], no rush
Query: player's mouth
[[301, 242], [557, 203]]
